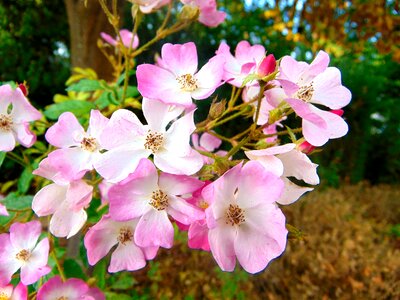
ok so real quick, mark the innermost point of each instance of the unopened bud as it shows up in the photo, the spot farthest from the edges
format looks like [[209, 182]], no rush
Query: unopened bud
[[267, 66], [189, 13], [217, 109], [23, 88], [338, 112], [306, 147]]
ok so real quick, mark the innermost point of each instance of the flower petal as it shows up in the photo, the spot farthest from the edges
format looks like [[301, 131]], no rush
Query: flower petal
[[25, 235], [221, 240], [127, 257], [66, 132], [180, 59]]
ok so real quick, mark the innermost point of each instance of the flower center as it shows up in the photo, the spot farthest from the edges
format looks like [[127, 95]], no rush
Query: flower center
[[5, 122], [4, 296], [234, 215], [89, 144], [154, 141], [125, 235], [187, 82], [23, 255], [159, 200], [305, 92], [202, 204], [62, 298]]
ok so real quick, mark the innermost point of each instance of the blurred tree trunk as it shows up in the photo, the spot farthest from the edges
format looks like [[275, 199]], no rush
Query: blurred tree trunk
[[86, 23]]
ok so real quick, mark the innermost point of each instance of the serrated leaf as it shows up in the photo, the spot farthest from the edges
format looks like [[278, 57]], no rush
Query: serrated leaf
[[78, 108], [2, 157], [14, 201], [86, 85]]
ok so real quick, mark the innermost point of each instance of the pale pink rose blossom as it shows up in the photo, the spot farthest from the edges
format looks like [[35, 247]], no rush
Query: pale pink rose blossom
[[66, 203], [152, 198], [72, 289], [245, 61], [20, 250], [80, 149], [8, 292], [128, 141], [287, 161], [209, 15], [126, 39], [304, 84], [15, 114], [244, 221], [127, 256], [178, 81]]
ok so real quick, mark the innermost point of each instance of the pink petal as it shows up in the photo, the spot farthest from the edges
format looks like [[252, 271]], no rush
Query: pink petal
[[25, 235], [116, 164], [184, 165], [3, 210], [65, 132], [209, 78], [48, 199], [108, 38], [198, 236], [306, 111], [257, 186], [245, 53], [298, 164], [292, 192], [127, 257], [7, 269], [178, 184], [36, 267], [22, 110], [158, 114], [291, 70], [97, 123], [6, 291], [66, 223], [255, 250], [314, 134], [24, 135], [154, 229], [329, 91], [100, 239], [319, 64], [182, 211], [7, 141], [221, 241], [269, 162], [157, 83], [56, 173], [180, 59], [211, 17], [20, 292], [54, 288], [209, 142], [79, 195]]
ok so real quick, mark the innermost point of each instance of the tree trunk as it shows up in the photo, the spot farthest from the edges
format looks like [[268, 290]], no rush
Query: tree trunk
[[85, 25]]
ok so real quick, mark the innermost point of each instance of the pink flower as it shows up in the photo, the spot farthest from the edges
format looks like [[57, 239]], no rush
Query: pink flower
[[126, 39], [209, 15], [3, 208], [19, 250], [152, 198], [8, 292], [66, 203], [245, 61], [243, 220], [149, 6], [128, 141], [79, 149], [127, 256], [287, 161], [179, 81], [72, 289], [304, 84], [267, 65], [15, 114]]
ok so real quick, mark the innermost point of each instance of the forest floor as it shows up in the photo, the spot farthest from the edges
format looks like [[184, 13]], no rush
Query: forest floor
[[350, 249]]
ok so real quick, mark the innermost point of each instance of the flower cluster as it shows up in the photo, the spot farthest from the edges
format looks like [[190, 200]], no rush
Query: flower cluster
[[158, 170]]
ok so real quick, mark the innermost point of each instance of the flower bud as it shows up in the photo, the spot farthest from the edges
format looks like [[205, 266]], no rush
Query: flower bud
[[267, 66], [306, 147], [189, 13], [23, 88], [217, 109], [338, 112]]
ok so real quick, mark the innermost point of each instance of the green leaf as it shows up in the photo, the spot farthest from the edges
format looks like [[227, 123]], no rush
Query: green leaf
[[103, 101], [25, 179], [2, 157], [124, 282], [291, 134], [73, 269], [78, 108], [14, 201], [122, 77], [115, 296], [86, 85], [100, 273]]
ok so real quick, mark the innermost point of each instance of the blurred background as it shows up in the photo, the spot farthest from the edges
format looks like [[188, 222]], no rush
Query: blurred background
[[348, 246]]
